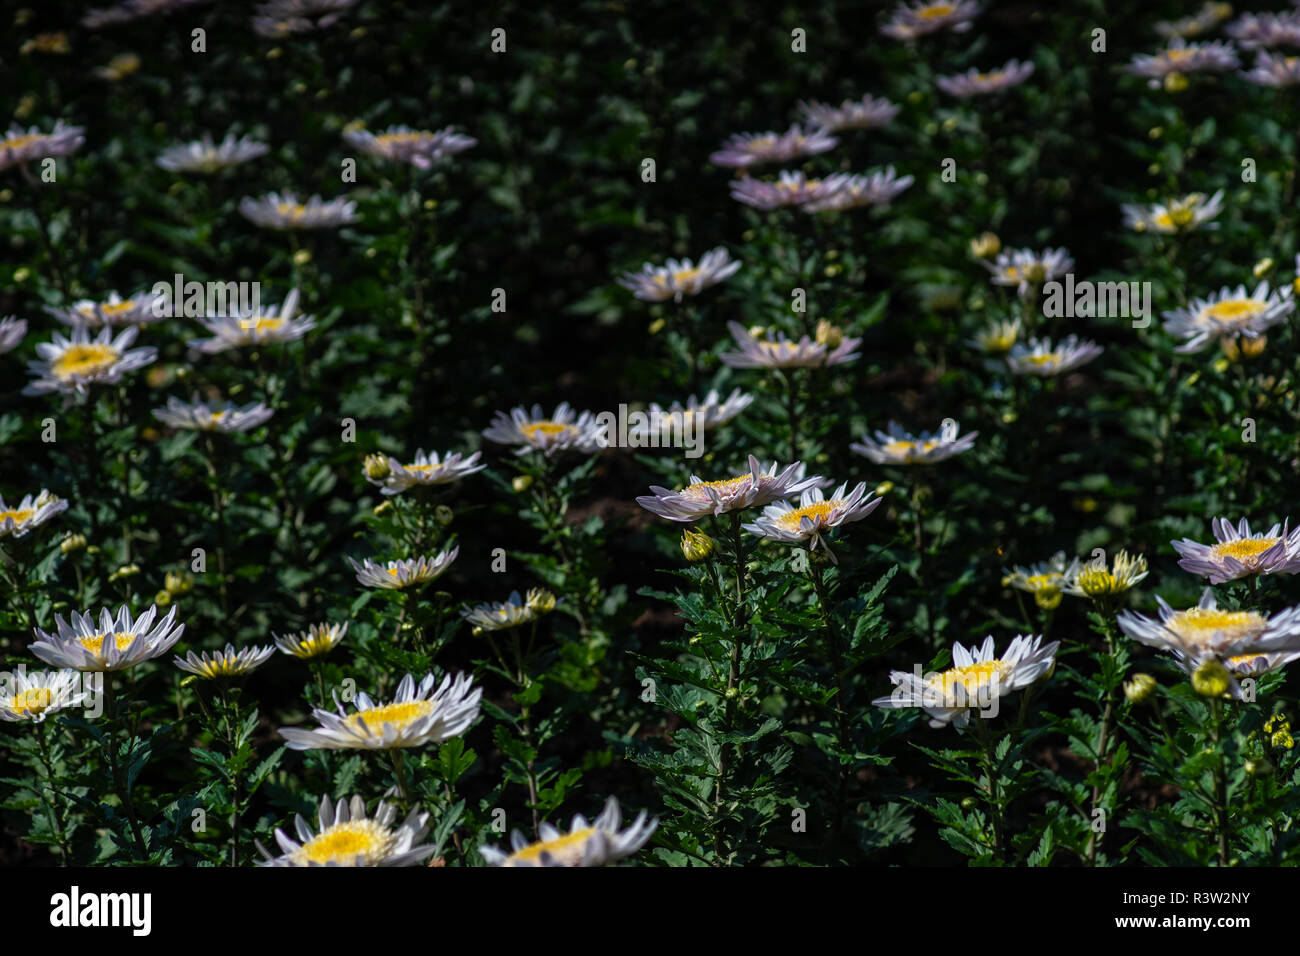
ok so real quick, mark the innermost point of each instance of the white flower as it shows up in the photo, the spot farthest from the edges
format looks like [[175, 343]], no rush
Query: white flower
[[347, 837], [426, 470], [1095, 580], [1183, 57], [856, 191], [1207, 18], [760, 486], [280, 18], [790, 189], [12, 331], [1237, 553], [271, 325], [114, 311], [709, 414], [1274, 71], [71, 364], [227, 663], [867, 113], [514, 611], [1043, 360], [1044, 580], [33, 697], [813, 516], [1227, 314], [205, 156], [274, 211], [202, 417], [402, 144], [318, 639], [782, 353], [898, 447], [919, 19], [1259, 31], [533, 431], [1180, 215], [975, 83], [29, 513], [676, 279], [115, 644], [18, 147], [416, 716], [396, 575], [1028, 270], [586, 844], [753, 149]]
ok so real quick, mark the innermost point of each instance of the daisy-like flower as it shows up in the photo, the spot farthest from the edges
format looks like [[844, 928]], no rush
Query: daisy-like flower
[[867, 113], [205, 156], [12, 331], [1206, 633], [427, 469], [401, 144], [975, 83], [676, 279], [813, 516], [271, 325], [33, 697], [565, 430], [1182, 58], [512, 612], [754, 149], [416, 716], [1094, 580], [790, 189], [1253, 665], [227, 663], [1203, 21], [586, 844], [997, 338], [1264, 31], [19, 146], [114, 312], [975, 681], [348, 837], [72, 364], [922, 18], [1236, 553], [780, 352], [759, 486], [894, 446], [276, 19], [29, 513], [1044, 580], [115, 644], [709, 413], [317, 640], [1180, 215], [133, 9], [1274, 71], [200, 416], [275, 211], [1229, 314], [1028, 270], [396, 575], [868, 189], [1040, 358]]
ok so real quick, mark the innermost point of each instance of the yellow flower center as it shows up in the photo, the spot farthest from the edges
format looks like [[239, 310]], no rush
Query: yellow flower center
[[344, 842], [424, 469], [1044, 582], [1098, 581], [935, 10], [818, 511], [993, 77], [1236, 311], [1046, 358], [261, 323], [386, 138], [19, 517], [18, 142], [567, 848], [84, 361], [725, 486], [906, 449], [1179, 55], [1243, 548], [95, 643], [545, 427], [1199, 625], [291, 209], [399, 715], [974, 679], [32, 701]]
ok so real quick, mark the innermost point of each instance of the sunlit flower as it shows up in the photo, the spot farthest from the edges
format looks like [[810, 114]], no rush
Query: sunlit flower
[[29, 513], [1182, 58], [1044, 580], [780, 352], [1180, 215], [115, 644], [815, 514], [72, 364], [704, 415], [426, 469], [759, 486], [676, 279], [1042, 359], [348, 837], [997, 337], [597, 843], [275, 211], [696, 545], [317, 640], [33, 697], [894, 446], [1028, 270], [1274, 71], [1204, 20], [19, 146], [401, 144], [227, 663], [867, 113], [200, 416], [1094, 580], [753, 149], [565, 430], [857, 191], [1264, 31], [12, 331], [1229, 314], [512, 612], [1237, 553], [975, 83], [396, 575], [790, 189], [114, 311], [974, 682], [416, 716], [271, 325], [918, 19], [205, 156]]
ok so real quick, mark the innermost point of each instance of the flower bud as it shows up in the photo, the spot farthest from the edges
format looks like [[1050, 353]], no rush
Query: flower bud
[[696, 545], [1175, 82], [443, 515], [73, 543], [986, 246], [377, 468], [829, 335], [1140, 688], [1211, 679], [1047, 598], [1263, 267], [522, 483], [162, 598], [541, 601], [178, 582]]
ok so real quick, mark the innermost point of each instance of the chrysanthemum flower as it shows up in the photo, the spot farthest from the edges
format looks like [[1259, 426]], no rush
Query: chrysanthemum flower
[[348, 837], [396, 575], [709, 413], [33, 697], [133, 9], [416, 716], [975, 680], [1180, 215], [780, 352], [997, 338], [401, 144], [227, 663], [114, 311], [857, 191], [1264, 31], [1094, 580], [815, 514], [1040, 358], [317, 640], [512, 612], [29, 513], [975, 83], [19, 146], [200, 416], [1044, 580], [586, 844], [275, 211], [752, 149], [1028, 270], [12, 331], [115, 644], [1228, 314], [1182, 58], [867, 113], [271, 325], [1253, 665], [921, 18], [1204, 20], [1274, 71], [426, 469], [205, 156], [790, 189], [276, 19], [531, 430], [759, 486], [894, 446], [72, 364], [676, 279], [1237, 553]]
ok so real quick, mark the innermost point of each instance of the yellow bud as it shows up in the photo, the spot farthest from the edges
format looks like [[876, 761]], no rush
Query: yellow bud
[[1155, 132], [986, 246], [1140, 688], [656, 326], [377, 467], [22, 274], [541, 601], [1229, 345], [1282, 740], [73, 543], [1175, 82], [443, 515], [884, 488], [1047, 598], [1211, 679], [1221, 365], [1263, 267], [382, 508], [178, 582], [302, 257], [696, 545], [162, 598], [829, 335], [522, 483], [274, 53], [1253, 346], [431, 204]]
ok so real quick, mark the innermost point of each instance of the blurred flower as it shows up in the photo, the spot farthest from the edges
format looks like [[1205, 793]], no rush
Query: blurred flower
[[316, 641], [73, 543], [975, 83], [426, 469], [1028, 270], [997, 338], [271, 325], [867, 113], [55, 43], [1274, 71], [782, 353], [114, 311], [753, 149], [18, 147], [857, 191], [790, 189], [12, 331], [1182, 58], [1041, 359], [921, 18], [131, 10], [72, 364], [1043, 580], [29, 513], [814, 515], [1253, 665], [1211, 679], [1140, 688], [894, 446], [512, 612], [1237, 553], [521, 483], [276, 211], [1094, 580], [760, 486], [178, 582], [1228, 313], [531, 431], [280, 18], [33, 697], [709, 413], [401, 144], [672, 281], [396, 575], [116, 644], [985, 245], [347, 837], [696, 545], [586, 844], [1180, 215], [227, 663], [1204, 20], [199, 416], [205, 156], [1262, 31], [119, 67], [376, 468]]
